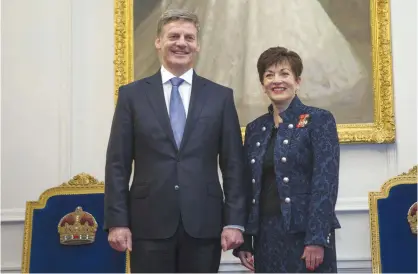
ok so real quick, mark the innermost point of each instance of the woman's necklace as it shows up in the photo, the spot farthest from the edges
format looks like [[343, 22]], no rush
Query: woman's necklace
[[277, 119]]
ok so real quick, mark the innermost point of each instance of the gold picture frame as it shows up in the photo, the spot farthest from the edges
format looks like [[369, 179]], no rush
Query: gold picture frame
[[409, 177], [382, 130]]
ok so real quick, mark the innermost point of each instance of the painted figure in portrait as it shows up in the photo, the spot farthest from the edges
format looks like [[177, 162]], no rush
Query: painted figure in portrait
[[332, 37]]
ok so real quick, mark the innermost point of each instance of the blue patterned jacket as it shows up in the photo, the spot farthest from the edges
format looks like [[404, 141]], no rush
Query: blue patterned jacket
[[306, 158]]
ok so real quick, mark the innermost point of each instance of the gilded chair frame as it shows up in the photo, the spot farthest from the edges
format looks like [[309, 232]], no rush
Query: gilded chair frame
[[82, 183], [382, 130], [409, 177]]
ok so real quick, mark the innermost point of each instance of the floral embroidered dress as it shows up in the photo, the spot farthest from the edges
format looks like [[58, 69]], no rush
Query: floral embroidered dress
[[304, 157]]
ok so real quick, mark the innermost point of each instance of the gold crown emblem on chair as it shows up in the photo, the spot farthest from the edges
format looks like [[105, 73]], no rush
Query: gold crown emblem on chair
[[412, 218], [77, 228]]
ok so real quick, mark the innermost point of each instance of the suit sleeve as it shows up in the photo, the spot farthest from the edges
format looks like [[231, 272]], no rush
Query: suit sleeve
[[231, 165], [326, 153], [248, 239], [119, 159]]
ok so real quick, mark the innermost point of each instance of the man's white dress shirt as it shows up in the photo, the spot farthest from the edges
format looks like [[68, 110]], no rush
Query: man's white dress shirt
[[185, 88]]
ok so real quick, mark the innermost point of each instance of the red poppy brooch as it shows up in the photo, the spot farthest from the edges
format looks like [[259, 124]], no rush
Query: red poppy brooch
[[303, 120]]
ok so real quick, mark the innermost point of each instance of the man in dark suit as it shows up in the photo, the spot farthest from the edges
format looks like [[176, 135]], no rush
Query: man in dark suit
[[174, 126]]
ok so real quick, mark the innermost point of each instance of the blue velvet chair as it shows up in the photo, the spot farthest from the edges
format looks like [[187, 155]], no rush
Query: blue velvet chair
[[64, 231], [393, 225]]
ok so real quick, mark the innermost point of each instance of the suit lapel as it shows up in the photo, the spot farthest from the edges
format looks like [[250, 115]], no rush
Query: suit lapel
[[197, 100], [156, 98]]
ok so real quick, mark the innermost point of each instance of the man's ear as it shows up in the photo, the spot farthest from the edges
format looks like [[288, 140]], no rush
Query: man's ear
[[157, 43]]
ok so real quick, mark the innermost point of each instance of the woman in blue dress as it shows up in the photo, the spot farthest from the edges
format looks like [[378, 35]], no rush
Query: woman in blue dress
[[292, 164]]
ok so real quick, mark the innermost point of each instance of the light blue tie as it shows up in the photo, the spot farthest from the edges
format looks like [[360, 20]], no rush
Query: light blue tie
[[177, 112]]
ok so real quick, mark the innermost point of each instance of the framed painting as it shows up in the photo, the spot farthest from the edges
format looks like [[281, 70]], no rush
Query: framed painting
[[345, 47]]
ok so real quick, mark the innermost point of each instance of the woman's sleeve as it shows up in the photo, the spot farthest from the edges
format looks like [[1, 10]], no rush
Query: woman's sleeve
[[246, 246], [326, 154]]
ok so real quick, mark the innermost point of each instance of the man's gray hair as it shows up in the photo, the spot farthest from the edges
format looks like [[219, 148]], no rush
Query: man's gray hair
[[175, 15]]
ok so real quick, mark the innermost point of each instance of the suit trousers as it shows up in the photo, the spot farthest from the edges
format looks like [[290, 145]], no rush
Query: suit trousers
[[180, 253]]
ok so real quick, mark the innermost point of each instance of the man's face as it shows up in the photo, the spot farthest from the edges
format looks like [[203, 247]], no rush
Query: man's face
[[177, 45]]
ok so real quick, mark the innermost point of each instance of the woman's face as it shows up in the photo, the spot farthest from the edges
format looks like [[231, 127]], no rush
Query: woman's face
[[280, 83]]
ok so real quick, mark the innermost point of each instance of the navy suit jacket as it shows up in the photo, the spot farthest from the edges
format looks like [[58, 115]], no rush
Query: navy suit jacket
[[306, 159], [170, 184]]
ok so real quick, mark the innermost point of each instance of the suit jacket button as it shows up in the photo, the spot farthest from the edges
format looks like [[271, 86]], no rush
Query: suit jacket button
[[263, 129], [285, 141], [290, 126], [287, 200], [253, 180], [284, 159], [253, 201], [252, 161], [285, 179], [176, 187], [257, 144]]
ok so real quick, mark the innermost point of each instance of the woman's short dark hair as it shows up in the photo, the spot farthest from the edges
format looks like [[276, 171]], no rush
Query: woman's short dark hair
[[278, 55]]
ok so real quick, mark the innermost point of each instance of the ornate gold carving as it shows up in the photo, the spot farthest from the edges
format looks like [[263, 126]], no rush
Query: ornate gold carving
[[82, 183], [82, 180], [77, 228], [382, 130], [409, 177], [412, 218]]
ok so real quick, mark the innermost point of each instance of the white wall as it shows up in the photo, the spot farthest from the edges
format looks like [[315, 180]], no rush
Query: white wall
[[57, 104]]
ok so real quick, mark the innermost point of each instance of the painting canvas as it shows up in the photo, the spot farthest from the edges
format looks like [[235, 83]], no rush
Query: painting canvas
[[344, 45]]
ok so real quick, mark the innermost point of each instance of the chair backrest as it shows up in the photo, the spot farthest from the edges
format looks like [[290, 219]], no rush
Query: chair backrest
[[393, 223], [63, 231]]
